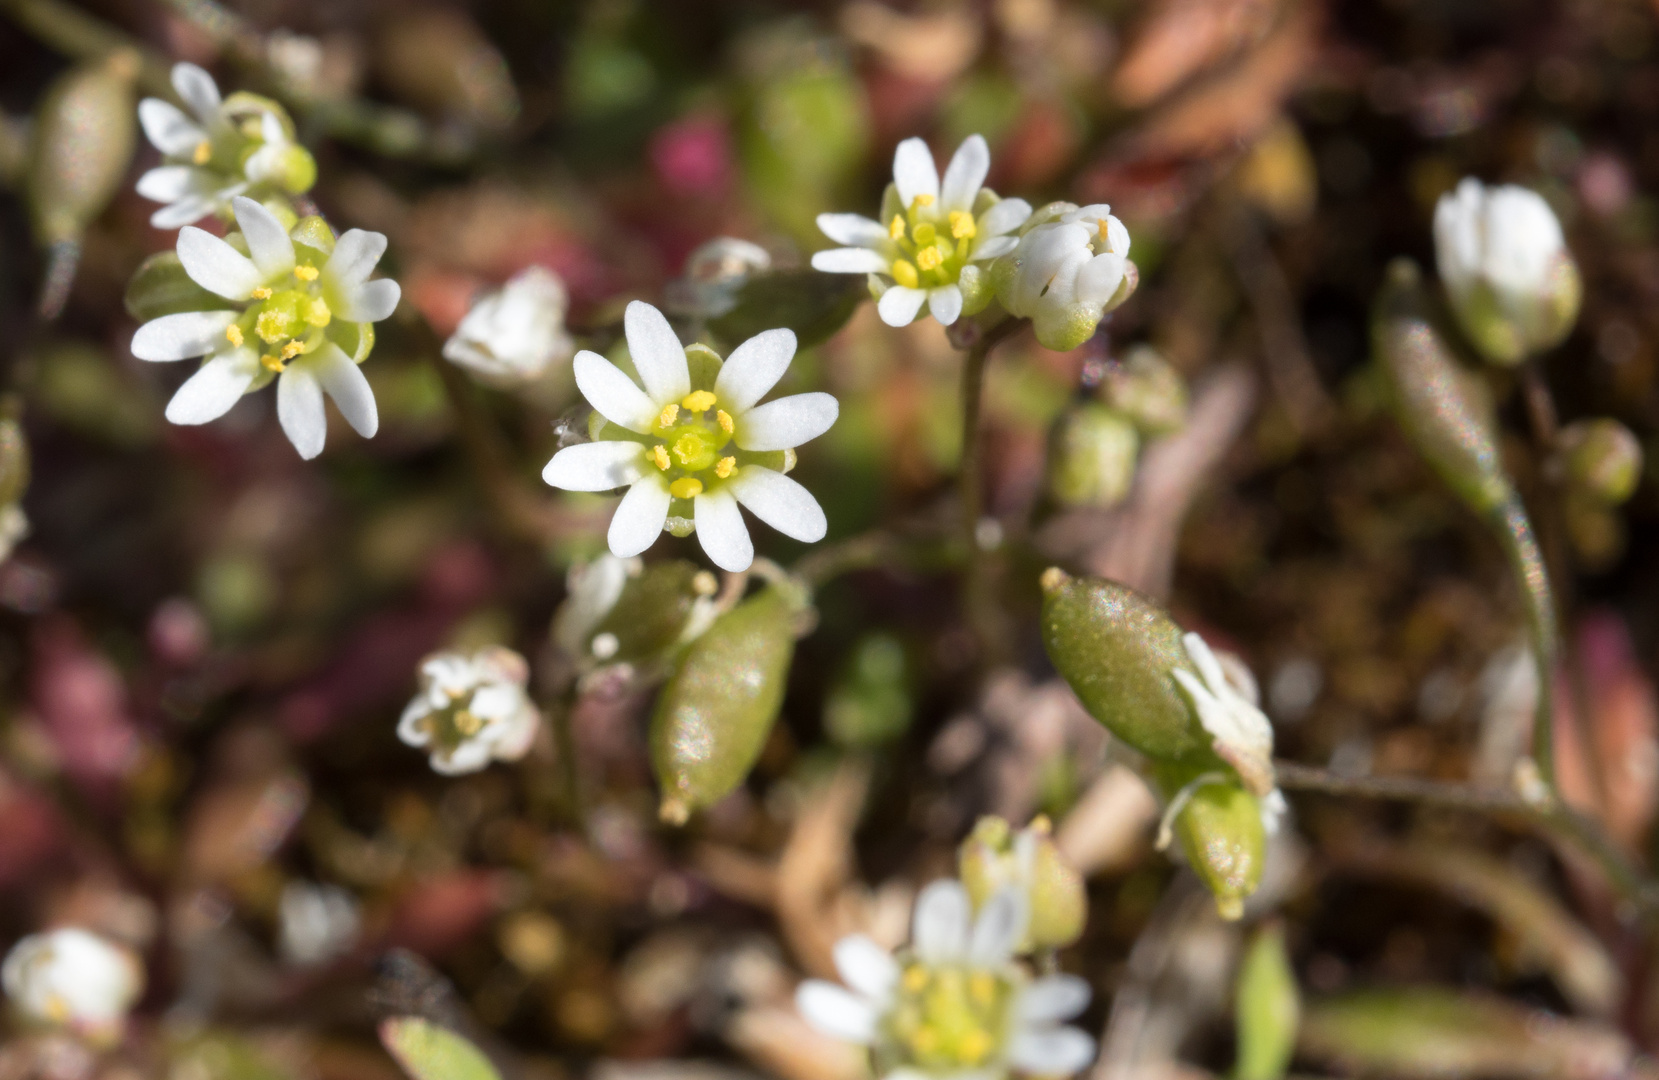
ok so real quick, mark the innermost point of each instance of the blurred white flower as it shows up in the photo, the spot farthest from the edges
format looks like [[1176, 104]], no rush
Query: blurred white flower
[[219, 150], [14, 526], [75, 978], [1505, 264], [315, 923], [700, 446], [714, 274], [300, 307], [926, 249], [1068, 270], [471, 710], [513, 335], [1227, 701], [955, 1003]]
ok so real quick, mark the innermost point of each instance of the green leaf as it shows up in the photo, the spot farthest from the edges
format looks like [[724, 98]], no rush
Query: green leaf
[[429, 1052], [813, 304], [1268, 1008]]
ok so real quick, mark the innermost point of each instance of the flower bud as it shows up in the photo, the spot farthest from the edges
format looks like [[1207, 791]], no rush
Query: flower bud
[[75, 978], [994, 857], [1092, 457], [1603, 460], [513, 335], [870, 701], [1444, 408], [1268, 1007], [1512, 282], [84, 134], [1148, 390], [1222, 833], [713, 716], [1070, 268], [1596, 532]]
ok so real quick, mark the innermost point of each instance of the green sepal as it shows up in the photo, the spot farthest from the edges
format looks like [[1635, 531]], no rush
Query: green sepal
[[313, 232], [160, 287], [1221, 832], [356, 340], [705, 365]]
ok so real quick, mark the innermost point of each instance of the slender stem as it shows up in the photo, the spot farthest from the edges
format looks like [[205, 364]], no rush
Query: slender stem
[[980, 598], [564, 745], [859, 552], [1526, 561]]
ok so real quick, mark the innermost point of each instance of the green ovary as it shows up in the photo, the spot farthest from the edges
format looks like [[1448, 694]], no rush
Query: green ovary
[[284, 322], [947, 1018], [689, 444]]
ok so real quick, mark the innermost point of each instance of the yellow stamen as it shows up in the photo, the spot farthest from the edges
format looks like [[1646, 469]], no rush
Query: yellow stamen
[[929, 258], [982, 987], [725, 467], [962, 224], [261, 293], [904, 272], [974, 1046], [915, 977], [233, 334], [1105, 235], [921, 200], [699, 401], [669, 414], [203, 151], [468, 723], [272, 326], [291, 350], [317, 313], [659, 454], [685, 487], [724, 419], [271, 363], [895, 228], [306, 273]]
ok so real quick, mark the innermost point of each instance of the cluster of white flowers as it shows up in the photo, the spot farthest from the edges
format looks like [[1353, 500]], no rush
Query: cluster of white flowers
[[511, 336], [956, 1003], [1228, 703], [471, 710], [1069, 269], [73, 978]]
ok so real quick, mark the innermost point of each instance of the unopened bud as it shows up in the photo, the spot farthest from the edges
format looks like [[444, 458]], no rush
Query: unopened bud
[[1603, 459], [1092, 457], [84, 134], [994, 857], [1596, 532], [1148, 390], [1070, 268], [1221, 832], [658, 609]]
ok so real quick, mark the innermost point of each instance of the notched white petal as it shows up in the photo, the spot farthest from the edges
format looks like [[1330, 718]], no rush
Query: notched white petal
[[787, 422], [945, 303], [1057, 1052], [657, 353], [780, 502], [355, 255], [835, 1012], [371, 301], [216, 266], [898, 306], [965, 175], [866, 966], [721, 531], [268, 243], [914, 172], [300, 410], [850, 260], [853, 229], [639, 517], [168, 129], [345, 383], [939, 929], [616, 396], [181, 336], [216, 386]]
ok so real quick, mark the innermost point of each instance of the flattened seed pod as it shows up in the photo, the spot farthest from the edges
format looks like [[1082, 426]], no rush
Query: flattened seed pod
[[714, 714]]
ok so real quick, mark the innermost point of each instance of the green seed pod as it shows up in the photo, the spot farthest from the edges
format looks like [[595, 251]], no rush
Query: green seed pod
[[1602, 458], [1148, 390], [1092, 457], [718, 707], [84, 135], [1443, 407], [870, 701], [1268, 1007], [995, 856], [1221, 831], [654, 612]]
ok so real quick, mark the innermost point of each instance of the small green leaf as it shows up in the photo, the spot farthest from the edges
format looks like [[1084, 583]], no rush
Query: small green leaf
[[1268, 1008], [429, 1052]]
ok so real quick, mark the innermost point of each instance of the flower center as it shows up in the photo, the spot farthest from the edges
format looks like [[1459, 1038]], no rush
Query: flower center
[[288, 320], [689, 444], [931, 252], [454, 724], [947, 1018]]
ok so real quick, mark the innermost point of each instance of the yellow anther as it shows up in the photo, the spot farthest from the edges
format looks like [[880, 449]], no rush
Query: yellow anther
[[685, 487], [973, 1047], [467, 722], [669, 414], [291, 350], [962, 224], [895, 228], [921, 200], [915, 978], [317, 313], [261, 293], [233, 334], [203, 152], [982, 987], [724, 419], [57, 1009], [725, 467], [272, 363], [699, 401], [272, 326], [306, 273], [1105, 233], [929, 258], [659, 455], [904, 272]]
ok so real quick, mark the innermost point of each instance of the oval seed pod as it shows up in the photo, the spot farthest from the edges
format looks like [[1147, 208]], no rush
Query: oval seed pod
[[84, 135], [1092, 457], [994, 856], [1221, 832], [718, 707]]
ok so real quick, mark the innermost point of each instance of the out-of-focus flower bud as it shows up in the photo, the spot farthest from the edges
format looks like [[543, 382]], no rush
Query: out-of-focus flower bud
[[1267, 1007], [713, 716], [994, 857], [1148, 390], [1092, 456], [437, 58], [870, 701], [316, 923], [14, 461], [514, 334], [1603, 460], [471, 710], [1222, 833], [1444, 408], [707, 288], [1070, 268], [1512, 282], [84, 135], [75, 978], [666, 605]]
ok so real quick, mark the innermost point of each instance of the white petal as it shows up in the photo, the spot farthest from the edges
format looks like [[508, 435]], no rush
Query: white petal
[[270, 130], [198, 90], [168, 129], [1004, 217], [999, 927], [965, 175], [611, 392], [753, 368], [780, 502], [993, 247], [898, 306], [939, 930], [1057, 1052], [166, 183], [854, 229], [300, 410], [216, 266], [658, 355], [181, 336], [721, 531], [851, 260], [787, 422], [1053, 998], [596, 466], [410, 730], [471, 756], [835, 1012], [268, 242], [209, 394], [914, 172], [945, 303], [344, 382], [1100, 277], [866, 966], [368, 302], [185, 211], [639, 517], [355, 255]]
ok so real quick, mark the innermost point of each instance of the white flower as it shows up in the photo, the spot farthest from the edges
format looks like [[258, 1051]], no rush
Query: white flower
[[511, 336], [700, 446], [316, 923], [955, 1004], [707, 287], [73, 977], [1069, 268], [932, 236], [1226, 699], [471, 710], [300, 308], [219, 150], [1512, 282]]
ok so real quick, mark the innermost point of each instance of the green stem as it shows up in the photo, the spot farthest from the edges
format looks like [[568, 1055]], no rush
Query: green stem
[[1526, 562], [979, 595]]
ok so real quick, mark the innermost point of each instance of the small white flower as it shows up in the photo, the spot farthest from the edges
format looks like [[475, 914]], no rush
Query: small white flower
[[926, 249], [714, 274], [955, 1003], [73, 977], [471, 710], [316, 923], [1226, 699], [703, 448], [511, 336], [1505, 264], [300, 308], [219, 150], [1069, 268]]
